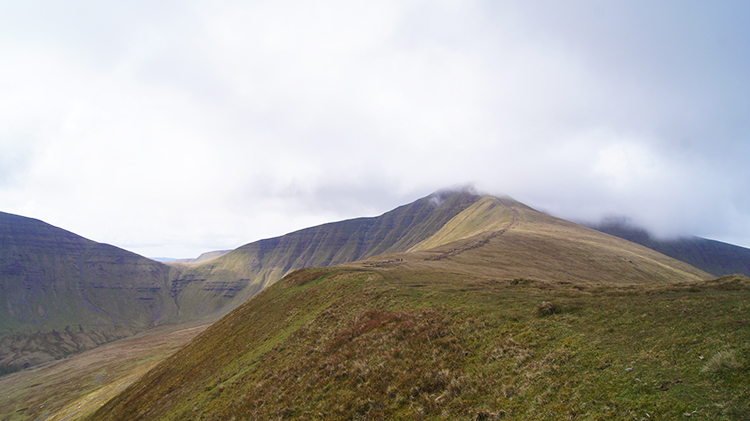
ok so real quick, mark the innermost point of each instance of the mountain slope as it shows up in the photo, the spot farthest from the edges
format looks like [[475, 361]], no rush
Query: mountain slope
[[488, 214], [62, 293], [533, 316], [214, 287], [520, 242], [341, 344], [714, 257]]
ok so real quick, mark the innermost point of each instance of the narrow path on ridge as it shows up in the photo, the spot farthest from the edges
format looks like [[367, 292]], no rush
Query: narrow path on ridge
[[485, 239]]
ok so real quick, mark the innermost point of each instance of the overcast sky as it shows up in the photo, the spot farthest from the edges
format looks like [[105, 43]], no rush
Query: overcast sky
[[171, 128]]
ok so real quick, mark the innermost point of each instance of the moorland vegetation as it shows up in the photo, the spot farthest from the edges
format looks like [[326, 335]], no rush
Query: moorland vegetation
[[456, 306]]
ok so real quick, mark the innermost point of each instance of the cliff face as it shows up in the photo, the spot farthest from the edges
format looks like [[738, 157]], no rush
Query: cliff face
[[61, 293]]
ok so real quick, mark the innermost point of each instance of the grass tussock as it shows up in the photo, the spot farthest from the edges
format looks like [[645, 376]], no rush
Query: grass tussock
[[722, 362], [548, 308]]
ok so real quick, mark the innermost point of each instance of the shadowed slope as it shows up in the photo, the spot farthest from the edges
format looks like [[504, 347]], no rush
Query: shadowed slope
[[714, 257], [62, 293]]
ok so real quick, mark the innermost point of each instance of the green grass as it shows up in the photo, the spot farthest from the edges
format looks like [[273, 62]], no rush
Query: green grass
[[337, 344]]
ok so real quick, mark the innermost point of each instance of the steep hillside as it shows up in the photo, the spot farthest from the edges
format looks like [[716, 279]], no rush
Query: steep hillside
[[519, 314], [339, 344], [61, 293], [215, 286], [714, 257], [516, 241]]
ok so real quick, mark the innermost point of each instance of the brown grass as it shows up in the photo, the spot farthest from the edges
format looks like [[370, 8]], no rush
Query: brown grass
[[409, 336], [395, 344], [547, 308], [72, 388], [722, 361]]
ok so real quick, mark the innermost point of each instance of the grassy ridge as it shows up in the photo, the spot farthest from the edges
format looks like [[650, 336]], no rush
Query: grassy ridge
[[538, 246], [488, 214], [383, 344], [474, 328], [218, 285], [62, 293]]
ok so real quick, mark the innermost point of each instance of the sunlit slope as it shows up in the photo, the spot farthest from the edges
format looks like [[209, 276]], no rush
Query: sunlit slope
[[516, 241], [217, 285], [61, 293], [488, 214], [74, 387]]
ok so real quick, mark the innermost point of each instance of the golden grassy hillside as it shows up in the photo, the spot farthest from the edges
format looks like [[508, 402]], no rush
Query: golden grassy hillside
[[504, 239]]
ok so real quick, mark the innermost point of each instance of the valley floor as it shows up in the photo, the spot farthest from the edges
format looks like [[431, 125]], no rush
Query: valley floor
[[72, 388]]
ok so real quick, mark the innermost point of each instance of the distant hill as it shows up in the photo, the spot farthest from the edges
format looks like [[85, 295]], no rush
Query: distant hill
[[502, 313], [62, 293], [204, 256], [714, 257], [213, 287]]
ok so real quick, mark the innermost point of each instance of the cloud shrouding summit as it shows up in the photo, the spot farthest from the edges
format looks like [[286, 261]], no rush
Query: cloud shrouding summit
[[184, 127]]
